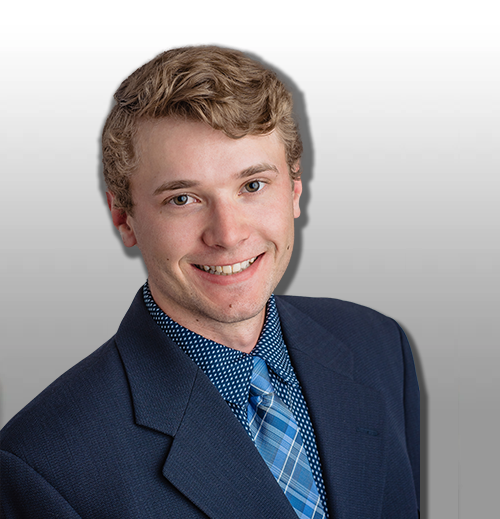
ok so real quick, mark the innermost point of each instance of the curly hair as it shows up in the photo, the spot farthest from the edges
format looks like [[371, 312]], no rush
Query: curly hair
[[221, 87]]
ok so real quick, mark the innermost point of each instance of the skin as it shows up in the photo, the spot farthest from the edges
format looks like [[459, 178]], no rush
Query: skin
[[201, 198]]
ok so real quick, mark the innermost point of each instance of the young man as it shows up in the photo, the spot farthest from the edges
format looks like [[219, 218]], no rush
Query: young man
[[215, 398]]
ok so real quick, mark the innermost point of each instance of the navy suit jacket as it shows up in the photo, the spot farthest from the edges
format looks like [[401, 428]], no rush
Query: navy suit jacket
[[136, 430]]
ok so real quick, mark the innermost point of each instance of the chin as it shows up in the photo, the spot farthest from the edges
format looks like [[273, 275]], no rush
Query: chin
[[234, 312]]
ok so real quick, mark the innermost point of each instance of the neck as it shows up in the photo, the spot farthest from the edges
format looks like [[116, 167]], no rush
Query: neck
[[240, 335]]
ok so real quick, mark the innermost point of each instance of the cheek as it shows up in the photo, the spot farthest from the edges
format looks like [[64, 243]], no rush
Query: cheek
[[277, 223], [172, 240]]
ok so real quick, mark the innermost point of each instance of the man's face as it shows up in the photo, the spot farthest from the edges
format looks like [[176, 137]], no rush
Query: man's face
[[203, 200]]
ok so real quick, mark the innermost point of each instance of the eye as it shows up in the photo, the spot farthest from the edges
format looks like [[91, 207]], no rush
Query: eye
[[181, 200], [254, 186]]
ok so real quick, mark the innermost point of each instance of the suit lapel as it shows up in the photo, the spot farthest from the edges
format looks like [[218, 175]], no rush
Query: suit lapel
[[215, 464], [348, 417], [212, 461]]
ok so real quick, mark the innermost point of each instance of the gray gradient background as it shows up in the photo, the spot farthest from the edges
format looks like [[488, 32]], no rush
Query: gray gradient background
[[399, 108]]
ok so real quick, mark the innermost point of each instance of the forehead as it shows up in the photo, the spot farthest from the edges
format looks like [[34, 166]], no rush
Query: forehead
[[189, 146]]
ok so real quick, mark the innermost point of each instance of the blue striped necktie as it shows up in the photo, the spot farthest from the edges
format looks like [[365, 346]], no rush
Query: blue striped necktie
[[277, 437]]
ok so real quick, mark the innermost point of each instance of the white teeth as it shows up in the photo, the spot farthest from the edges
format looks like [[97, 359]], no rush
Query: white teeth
[[227, 270]]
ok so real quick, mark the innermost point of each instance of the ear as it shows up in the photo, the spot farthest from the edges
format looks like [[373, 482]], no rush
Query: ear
[[122, 221], [297, 191]]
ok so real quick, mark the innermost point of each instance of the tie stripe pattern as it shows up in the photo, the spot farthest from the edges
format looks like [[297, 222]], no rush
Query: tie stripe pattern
[[277, 437]]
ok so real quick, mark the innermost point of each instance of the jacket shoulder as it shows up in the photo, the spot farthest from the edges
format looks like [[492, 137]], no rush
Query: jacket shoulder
[[340, 317], [317, 303], [376, 344], [75, 396]]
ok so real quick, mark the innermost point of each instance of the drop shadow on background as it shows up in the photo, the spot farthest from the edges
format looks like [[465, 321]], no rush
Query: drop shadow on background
[[307, 164], [424, 426]]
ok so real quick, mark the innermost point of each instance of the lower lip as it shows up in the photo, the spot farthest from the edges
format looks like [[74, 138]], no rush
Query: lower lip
[[233, 278]]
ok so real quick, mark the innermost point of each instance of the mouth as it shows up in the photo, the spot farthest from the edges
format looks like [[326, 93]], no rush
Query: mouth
[[227, 270]]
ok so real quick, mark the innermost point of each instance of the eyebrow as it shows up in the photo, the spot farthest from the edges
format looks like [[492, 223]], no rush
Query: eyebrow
[[175, 184], [186, 184], [258, 168]]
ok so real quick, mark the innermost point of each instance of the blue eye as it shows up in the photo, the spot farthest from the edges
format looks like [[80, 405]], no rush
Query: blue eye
[[253, 186]]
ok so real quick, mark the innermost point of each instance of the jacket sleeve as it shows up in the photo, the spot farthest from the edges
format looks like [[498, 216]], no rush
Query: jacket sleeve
[[25, 494]]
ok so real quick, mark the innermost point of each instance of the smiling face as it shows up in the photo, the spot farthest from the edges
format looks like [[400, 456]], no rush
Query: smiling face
[[213, 218]]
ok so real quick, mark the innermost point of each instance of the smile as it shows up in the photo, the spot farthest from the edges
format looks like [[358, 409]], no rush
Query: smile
[[226, 270]]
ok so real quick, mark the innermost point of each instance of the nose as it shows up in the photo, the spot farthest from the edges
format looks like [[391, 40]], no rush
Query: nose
[[226, 226]]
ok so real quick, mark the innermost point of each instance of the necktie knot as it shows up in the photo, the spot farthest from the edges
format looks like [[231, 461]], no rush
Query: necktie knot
[[260, 385]]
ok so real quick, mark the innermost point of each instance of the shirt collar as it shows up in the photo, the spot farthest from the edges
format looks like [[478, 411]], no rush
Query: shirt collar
[[229, 370]]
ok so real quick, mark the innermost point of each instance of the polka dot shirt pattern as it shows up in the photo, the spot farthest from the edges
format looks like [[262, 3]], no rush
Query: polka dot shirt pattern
[[230, 372]]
